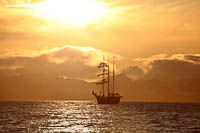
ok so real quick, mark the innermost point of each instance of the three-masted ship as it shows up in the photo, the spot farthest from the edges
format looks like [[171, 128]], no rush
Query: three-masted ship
[[107, 95]]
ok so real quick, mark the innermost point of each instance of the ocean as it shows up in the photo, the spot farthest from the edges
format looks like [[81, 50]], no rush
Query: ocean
[[87, 116]]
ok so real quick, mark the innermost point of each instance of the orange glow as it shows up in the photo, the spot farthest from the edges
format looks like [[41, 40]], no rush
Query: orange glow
[[76, 12]]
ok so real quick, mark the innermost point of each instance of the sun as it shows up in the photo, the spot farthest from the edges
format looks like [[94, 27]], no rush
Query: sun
[[77, 12]]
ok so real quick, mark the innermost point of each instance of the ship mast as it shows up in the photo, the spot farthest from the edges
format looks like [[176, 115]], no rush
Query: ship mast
[[113, 91], [103, 77], [105, 69], [108, 78], [109, 97]]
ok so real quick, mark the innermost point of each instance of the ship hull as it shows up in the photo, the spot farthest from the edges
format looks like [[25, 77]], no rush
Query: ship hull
[[108, 99]]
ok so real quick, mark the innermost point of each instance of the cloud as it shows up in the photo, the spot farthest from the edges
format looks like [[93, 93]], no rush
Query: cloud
[[88, 55], [169, 78], [58, 73], [70, 61], [192, 58], [133, 72], [151, 59], [170, 67], [15, 2], [178, 74], [54, 74], [173, 68]]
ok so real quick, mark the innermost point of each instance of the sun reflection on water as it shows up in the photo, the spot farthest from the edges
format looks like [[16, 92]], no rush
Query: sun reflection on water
[[87, 116]]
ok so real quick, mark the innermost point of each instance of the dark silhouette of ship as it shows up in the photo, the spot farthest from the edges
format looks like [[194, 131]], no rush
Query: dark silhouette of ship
[[106, 96]]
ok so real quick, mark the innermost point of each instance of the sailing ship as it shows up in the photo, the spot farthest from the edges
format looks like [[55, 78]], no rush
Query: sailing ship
[[106, 95]]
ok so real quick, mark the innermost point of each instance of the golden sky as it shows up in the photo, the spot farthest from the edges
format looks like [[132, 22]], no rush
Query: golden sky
[[152, 39], [132, 28]]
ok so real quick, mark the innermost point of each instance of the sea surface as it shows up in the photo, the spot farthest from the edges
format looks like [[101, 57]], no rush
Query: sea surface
[[87, 116]]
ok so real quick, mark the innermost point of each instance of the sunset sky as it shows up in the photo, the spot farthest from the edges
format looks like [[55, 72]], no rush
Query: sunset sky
[[153, 40]]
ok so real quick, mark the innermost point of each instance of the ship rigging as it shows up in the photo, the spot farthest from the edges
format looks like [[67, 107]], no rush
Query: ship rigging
[[111, 97]]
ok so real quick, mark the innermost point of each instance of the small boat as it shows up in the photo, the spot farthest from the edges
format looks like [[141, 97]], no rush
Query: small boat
[[106, 96]]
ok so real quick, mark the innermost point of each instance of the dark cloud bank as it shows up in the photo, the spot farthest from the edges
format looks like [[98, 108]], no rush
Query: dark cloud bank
[[60, 74]]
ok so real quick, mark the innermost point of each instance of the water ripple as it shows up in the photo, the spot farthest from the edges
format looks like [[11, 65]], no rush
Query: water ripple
[[82, 116]]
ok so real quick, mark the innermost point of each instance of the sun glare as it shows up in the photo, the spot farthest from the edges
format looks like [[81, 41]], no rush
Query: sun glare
[[78, 12]]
